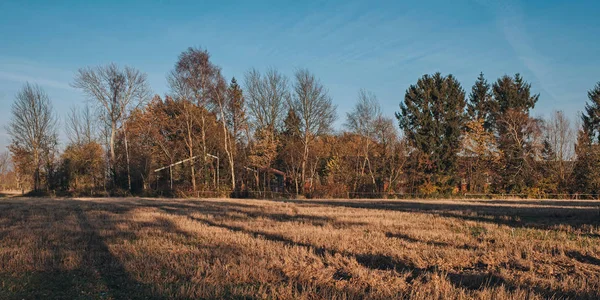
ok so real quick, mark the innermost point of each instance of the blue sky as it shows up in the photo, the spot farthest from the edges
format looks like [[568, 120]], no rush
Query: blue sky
[[380, 46]]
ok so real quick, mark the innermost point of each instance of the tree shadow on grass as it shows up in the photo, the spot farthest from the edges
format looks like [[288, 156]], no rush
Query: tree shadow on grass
[[543, 202], [223, 252], [434, 243], [104, 276], [368, 260], [99, 274], [119, 282], [583, 258], [472, 278], [223, 209], [515, 215]]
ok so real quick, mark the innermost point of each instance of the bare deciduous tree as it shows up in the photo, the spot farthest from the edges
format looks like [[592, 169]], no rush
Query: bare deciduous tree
[[561, 136], [523, 143], [33, 128], [80, 127], [197, 80], [4, 162], [115, 92], [220, 99], [393, 152], [362, 118], [363, 121], [266, 97], [312, 104]]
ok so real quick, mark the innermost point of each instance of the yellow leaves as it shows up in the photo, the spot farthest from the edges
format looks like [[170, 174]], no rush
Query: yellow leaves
[[428, 188], [479, 142], [264, 149], [333, 165]]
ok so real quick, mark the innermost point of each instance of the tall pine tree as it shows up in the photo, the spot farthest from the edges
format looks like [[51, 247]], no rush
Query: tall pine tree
[[517, 132], [587, 167], [432, 116], [591, 116], [479, 151], [480, 105], [289, 156]]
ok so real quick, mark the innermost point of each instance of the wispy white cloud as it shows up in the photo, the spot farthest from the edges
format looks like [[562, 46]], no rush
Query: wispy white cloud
[[16, 69], [364, 37], [41, 81], [509, 17]]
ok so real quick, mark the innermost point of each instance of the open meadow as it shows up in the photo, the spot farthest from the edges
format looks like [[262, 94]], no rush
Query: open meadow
[[138, 248]]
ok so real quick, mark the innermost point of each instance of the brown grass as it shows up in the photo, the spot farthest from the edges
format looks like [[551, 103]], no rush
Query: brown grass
[[306, 249]]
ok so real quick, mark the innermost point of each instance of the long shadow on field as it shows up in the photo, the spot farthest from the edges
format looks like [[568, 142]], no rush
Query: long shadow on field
[[379, 262], [98, 263], [557, 203], [222, 211], [583, 258], [434, 243], [471, 278], [61, 231], [475, 278], [515, 215], [112, 272], [241, 211]]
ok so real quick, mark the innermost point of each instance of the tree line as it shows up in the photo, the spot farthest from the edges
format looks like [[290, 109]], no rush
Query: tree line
[[270, 133]]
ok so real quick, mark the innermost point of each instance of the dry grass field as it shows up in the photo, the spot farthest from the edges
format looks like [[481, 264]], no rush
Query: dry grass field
[[302, 249]]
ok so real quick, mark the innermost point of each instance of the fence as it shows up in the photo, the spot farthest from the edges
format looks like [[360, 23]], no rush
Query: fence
[[359, 195], [534, 196]]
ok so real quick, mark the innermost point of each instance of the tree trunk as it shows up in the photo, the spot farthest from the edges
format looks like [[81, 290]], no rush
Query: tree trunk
[[304, 161], [127, 157], [296, 181], [193, 168], [113, 157], [204, 144], [191, 151], [227, 146], [36, 174]]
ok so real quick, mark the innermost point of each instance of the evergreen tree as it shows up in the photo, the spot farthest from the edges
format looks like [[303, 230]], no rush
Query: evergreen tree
[[291, 125], [591, 116], [236, 111], [513, 94], [548, 180], [587, 167], [479, 151], [548, 153], [289, 154], [432, 116], [518, 134], [480, 104]]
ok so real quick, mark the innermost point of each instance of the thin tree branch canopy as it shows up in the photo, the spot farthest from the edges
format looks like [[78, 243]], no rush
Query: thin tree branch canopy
[[113, 90], [33, 130], [312, 103], [266, 98], [365, 115], [4, 162], [33, 125], [196, 79], [80, 126]]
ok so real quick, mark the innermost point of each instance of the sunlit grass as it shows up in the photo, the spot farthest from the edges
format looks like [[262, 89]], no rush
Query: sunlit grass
[[342, 249]]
